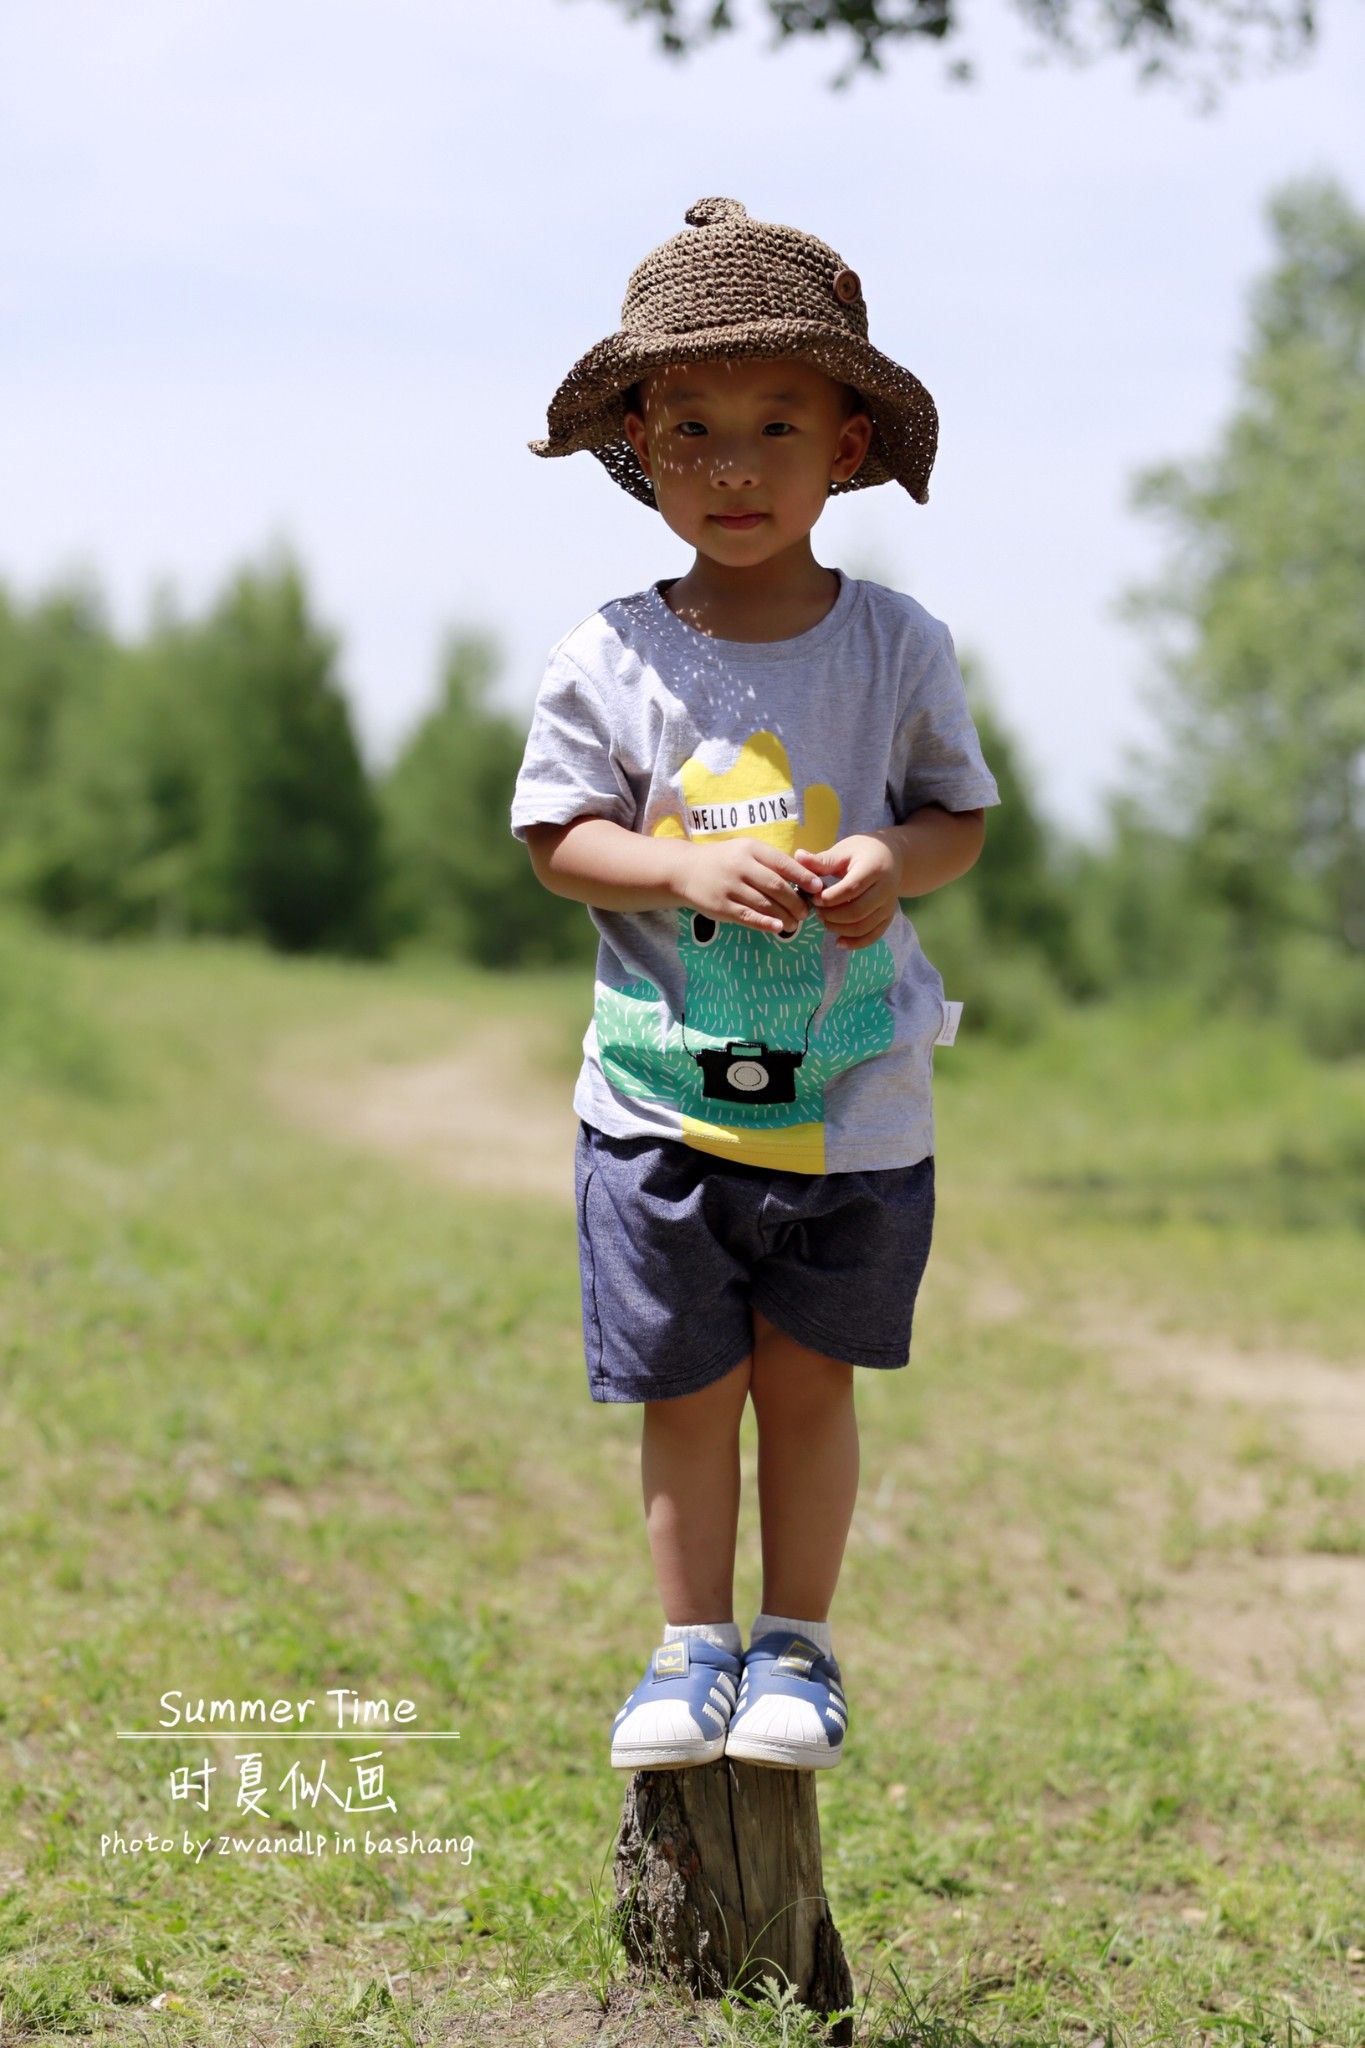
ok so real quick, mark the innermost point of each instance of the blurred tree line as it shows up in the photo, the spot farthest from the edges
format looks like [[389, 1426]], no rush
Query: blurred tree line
[[207, 779]]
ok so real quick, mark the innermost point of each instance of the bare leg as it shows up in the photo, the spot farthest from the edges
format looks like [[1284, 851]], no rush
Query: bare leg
[[807, 1470], [689, 1464]]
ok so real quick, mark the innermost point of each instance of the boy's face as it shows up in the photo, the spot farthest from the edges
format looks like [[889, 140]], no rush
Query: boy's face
[[741, 452]]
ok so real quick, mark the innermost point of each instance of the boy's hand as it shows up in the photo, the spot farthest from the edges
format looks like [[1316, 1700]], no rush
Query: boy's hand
[[746, 881], [860, 903]]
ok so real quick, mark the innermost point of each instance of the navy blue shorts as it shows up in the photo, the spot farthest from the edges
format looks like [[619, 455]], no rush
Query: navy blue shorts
[[675, 1245]]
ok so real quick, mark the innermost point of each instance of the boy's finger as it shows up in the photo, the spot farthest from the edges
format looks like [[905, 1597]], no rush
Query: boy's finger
[[762, 917], [791, 870], [775, 897], [865, 917], [778, 863]]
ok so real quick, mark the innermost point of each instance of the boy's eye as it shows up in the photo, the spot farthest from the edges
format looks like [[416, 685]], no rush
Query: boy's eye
[[684, 427]]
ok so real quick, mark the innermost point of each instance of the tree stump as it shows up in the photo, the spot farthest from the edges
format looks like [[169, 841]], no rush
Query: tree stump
[[718, 1881]]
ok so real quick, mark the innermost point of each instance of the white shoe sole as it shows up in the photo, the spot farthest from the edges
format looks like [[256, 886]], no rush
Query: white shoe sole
[[666, 1756], [782, 1756]]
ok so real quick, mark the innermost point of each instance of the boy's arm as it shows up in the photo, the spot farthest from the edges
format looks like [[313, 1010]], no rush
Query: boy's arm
[[593, 860], [934, 846]]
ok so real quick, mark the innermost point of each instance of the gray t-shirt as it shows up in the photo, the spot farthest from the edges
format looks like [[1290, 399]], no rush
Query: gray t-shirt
[[789, 1053]]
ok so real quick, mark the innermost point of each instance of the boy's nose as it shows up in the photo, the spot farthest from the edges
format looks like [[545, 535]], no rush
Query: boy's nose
[[733, 468]]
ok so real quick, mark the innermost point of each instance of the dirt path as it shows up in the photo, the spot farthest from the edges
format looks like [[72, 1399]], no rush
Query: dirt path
[[487, 1116], [1283, 1626], [1269, 1601]]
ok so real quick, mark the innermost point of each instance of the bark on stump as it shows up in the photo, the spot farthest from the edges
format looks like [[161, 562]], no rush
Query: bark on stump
[[718, 1881]]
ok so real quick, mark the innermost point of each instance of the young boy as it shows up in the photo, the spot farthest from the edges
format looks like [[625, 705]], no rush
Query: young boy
[[741, 771]]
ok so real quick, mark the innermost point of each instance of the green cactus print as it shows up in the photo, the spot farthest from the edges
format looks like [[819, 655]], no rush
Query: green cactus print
[[755, 987]]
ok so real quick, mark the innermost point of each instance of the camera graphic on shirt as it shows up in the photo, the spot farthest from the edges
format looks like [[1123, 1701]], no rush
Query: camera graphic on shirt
[[748, 1072]]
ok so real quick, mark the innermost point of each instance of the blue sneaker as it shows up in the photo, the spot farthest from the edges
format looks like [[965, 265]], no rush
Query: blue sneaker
[[680, 1710], [791, 1711]]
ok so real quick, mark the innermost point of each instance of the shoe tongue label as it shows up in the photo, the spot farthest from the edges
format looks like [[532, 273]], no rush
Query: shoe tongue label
[[670, 1659], [798, 1656]]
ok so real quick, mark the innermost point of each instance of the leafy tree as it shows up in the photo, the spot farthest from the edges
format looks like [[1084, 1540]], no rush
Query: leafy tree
[[1166, 36], [458, 875], [1015, 882], [207, 780], [69, 819], [1258, 614], [1137, 917], [53, 659], [289, 843]]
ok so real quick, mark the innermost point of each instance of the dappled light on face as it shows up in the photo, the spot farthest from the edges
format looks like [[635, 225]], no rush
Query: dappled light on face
[[763, 438]]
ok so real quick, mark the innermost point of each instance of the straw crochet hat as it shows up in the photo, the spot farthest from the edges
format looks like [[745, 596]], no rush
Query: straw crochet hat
[[732, 286]]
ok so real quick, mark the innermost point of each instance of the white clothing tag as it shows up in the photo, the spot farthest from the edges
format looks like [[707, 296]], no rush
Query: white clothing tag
[[952, 1013], [775, 807]]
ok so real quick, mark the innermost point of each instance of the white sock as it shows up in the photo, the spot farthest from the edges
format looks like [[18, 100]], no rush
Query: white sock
[[724, 1634], [816, 1632]]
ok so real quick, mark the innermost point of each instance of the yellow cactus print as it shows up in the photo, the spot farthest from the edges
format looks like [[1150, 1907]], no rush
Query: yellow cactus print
[[742, 1065]]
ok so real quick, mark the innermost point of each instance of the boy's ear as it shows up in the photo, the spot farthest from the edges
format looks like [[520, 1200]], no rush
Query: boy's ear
[[637, 436], [855, 438]]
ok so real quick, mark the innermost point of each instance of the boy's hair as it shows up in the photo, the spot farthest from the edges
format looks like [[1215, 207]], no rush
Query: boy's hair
[[633, 400]]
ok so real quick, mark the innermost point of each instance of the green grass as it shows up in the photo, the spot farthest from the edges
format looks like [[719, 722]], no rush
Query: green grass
[[277, 1416]]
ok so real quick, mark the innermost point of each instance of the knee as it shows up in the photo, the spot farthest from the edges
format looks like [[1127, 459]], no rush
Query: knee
[[810, 1391]]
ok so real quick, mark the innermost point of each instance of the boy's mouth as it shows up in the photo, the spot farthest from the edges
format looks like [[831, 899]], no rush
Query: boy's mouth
[[738, 520]]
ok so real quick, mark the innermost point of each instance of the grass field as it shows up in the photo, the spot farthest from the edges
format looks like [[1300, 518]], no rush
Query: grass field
[[289, 1402]]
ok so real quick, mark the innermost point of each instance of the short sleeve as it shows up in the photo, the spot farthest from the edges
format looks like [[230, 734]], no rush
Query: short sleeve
[[936, 756], [569, 768]]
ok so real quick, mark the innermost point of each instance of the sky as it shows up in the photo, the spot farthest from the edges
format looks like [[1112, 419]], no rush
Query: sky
[[307, 272]]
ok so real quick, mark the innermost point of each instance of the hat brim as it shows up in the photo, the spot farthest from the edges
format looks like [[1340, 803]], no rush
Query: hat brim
[[587, 411]]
